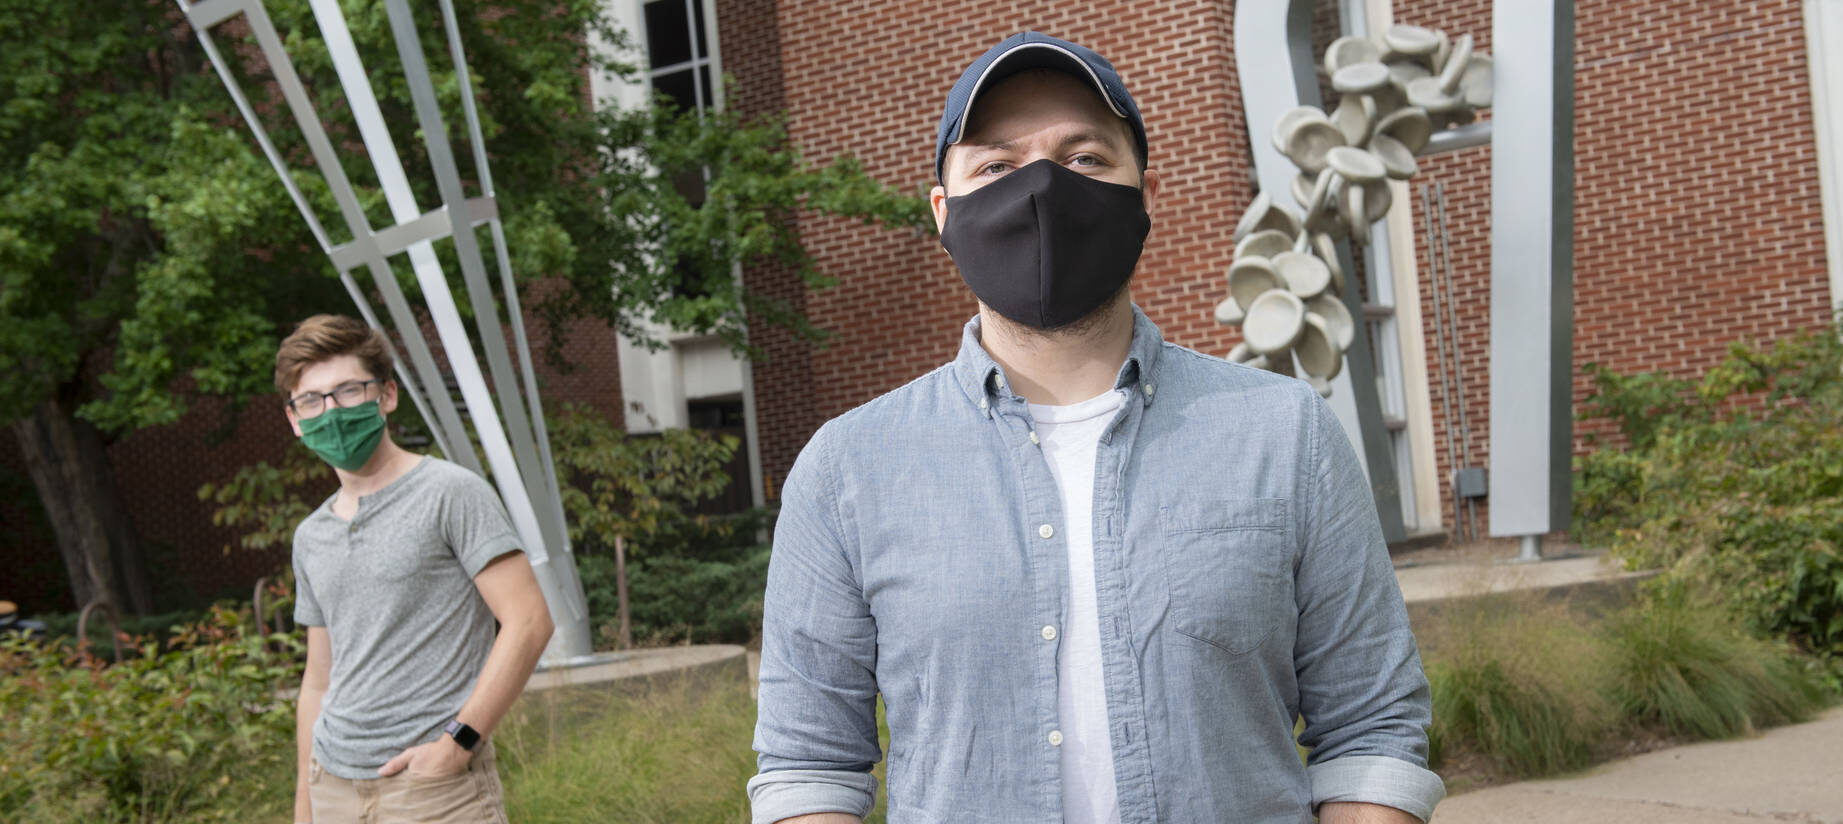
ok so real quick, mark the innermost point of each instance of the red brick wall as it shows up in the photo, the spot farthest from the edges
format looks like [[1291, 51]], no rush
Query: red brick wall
[[1697, 218], [750, 47]]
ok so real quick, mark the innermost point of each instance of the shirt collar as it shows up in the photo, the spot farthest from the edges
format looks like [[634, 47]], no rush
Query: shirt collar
[[983, 379]]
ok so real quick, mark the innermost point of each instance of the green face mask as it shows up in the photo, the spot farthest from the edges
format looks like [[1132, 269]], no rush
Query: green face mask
[[344, 436]]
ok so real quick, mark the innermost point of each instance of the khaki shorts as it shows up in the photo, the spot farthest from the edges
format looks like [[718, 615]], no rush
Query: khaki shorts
[[472, 796]]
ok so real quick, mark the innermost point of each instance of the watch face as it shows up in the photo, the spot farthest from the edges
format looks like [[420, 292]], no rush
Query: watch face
[[462, 734]]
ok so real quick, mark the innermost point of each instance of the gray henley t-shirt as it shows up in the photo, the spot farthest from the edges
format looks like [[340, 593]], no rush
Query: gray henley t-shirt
[[394, 588]]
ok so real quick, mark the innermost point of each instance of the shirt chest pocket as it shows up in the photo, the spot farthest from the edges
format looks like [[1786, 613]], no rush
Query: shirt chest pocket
[[1229, 567]]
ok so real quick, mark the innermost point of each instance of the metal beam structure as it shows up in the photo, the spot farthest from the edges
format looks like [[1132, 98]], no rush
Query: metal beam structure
[[1532, 270], [507, 417], [1276, 35]]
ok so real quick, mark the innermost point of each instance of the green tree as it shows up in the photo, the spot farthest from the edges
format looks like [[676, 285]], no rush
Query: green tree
[[149, 258]]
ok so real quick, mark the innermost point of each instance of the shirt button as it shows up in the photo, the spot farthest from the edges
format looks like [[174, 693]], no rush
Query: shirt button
[[1046, 530], [1055, 738], [1033, 437], [1049, 632], [983, 403], [1148, 390]]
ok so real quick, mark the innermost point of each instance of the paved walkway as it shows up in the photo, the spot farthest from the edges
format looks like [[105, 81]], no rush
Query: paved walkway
[[1786, 774]]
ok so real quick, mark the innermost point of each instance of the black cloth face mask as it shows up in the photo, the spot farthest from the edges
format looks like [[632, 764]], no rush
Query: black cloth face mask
[[1045, 246]]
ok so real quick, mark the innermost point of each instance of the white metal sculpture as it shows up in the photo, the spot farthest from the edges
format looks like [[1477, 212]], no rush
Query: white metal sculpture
[[1532, 197], [1398, 90], [508, 418]]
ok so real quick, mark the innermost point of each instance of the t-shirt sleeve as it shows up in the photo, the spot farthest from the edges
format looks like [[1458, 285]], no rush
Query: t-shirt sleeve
[[476, 524], [306, 606]]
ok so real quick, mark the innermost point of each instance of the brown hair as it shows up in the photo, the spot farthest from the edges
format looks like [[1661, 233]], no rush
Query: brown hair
[[324, 337]]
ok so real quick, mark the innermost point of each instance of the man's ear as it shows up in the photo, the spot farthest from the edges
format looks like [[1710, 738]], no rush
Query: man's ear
[[937, 200], [387, 396], [1150, 181]]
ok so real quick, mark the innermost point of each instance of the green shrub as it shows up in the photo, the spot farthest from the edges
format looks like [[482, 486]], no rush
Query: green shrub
[[691, 601], [1683, 668], [683, 598], [176, 734], [265, 503], [1733, 482]]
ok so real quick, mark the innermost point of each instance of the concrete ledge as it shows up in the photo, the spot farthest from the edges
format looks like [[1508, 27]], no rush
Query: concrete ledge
[[1430, 582], [578, 693], [643, 663], [1589, 584]]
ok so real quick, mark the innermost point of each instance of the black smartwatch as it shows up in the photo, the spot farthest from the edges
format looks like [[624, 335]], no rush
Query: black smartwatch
[[462, 734]]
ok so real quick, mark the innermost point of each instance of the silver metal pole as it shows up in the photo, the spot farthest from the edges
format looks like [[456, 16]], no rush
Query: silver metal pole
[[1532, 275]]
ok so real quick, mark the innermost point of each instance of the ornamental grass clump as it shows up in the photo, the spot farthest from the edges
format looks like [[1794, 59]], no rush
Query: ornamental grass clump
[[1516, 683], [1686, 670]]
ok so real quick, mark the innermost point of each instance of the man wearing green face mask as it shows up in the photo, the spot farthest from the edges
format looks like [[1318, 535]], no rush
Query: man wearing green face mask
[[399, 578]]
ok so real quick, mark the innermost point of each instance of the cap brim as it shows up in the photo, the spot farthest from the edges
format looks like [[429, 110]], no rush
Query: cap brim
[[1031, 56]]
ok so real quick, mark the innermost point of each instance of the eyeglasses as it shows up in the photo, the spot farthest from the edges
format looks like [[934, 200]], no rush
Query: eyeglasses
[[350, 393]]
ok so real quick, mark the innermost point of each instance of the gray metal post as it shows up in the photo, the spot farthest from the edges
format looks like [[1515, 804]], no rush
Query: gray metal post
[[1532, 275]]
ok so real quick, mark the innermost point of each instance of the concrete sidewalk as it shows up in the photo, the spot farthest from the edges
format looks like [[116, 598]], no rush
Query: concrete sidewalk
[[1786, 774]]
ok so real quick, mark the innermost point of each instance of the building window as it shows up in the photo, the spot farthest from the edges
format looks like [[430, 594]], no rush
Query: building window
[[679, 50], [680, 65]]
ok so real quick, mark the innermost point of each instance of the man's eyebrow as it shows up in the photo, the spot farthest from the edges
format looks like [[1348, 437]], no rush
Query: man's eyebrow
[[990, 146], [1100, 137], [1075, 139]]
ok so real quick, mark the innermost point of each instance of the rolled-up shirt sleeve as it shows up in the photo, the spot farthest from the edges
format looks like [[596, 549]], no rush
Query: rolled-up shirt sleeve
[[816, 727], [1362, 691]]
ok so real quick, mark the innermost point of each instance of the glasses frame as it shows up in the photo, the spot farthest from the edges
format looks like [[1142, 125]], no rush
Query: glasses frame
[[323, 396]]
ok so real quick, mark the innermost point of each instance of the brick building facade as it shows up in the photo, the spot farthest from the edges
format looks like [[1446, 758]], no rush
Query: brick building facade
[[1698, 217]]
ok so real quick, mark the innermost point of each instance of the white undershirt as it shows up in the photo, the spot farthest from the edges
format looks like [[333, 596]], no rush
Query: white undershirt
[[1070, 436]]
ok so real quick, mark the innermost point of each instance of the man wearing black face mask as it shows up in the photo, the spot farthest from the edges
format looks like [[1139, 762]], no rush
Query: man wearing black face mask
[[1095, 577]]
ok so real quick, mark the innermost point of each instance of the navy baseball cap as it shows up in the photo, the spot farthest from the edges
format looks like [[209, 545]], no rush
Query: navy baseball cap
[[1031, 50]]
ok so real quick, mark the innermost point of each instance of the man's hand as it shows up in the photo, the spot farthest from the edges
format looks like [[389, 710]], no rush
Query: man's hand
[[1350, 812], [437, 759]]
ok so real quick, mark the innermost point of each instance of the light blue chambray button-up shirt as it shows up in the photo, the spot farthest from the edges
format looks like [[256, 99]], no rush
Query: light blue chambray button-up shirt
[[1242, 583]]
